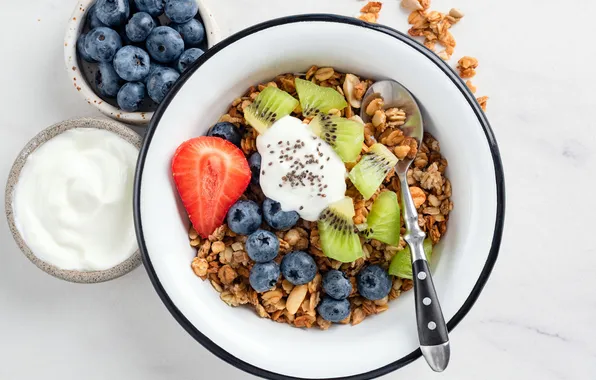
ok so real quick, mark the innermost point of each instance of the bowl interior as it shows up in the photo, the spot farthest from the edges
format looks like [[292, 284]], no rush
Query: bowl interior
[[207, 93]]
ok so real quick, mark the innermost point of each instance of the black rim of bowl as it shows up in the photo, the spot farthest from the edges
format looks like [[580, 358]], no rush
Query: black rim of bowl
[[500, 185]]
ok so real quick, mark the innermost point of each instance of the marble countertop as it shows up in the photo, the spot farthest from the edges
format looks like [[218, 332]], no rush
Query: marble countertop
[[535, 318]]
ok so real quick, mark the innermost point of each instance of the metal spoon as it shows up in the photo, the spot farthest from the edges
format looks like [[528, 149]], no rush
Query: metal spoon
[[432, 331]]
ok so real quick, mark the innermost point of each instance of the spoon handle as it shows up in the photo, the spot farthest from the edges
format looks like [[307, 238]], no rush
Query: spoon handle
[[432, 331]]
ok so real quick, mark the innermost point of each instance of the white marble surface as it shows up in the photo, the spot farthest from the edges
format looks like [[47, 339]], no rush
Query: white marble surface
[[536, 316]]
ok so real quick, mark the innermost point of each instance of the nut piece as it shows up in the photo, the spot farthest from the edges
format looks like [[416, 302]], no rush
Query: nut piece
[[456, 13], [374, 106], [295, 298], [324, 73], [401, 151], [411, 5], [418, 196], [350, 90], [379, 118]]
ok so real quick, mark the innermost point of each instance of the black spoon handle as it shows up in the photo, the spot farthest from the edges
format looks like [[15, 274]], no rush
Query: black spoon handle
[[432, 330]]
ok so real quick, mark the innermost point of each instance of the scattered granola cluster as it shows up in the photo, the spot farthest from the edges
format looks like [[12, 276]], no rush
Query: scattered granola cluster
[[370, 12], [434, 27], [222, 259]]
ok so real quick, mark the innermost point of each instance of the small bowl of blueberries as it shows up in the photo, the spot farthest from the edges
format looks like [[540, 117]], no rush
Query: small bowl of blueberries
[[125, 55]]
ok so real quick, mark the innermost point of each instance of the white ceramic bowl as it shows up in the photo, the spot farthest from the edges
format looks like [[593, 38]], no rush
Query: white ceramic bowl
[[85, 277], [79, 71], [465, 256]]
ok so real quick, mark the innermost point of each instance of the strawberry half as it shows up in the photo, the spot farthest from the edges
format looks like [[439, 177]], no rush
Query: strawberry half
[[210, 174]]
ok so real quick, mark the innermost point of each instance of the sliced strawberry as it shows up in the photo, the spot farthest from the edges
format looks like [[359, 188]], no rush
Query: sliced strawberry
[[210, 174]]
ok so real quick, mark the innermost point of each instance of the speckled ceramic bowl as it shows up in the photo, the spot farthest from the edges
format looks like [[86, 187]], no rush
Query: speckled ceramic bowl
[[69, 275], [79, 71]]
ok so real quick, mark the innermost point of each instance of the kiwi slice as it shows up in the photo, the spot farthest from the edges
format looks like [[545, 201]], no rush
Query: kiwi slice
[[384, 219], [271, 105], [336, 229], [345, 136], [370, 171], [315, 99], [401, 264]]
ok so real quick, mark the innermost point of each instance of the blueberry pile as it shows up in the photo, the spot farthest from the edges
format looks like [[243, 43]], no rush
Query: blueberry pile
[[334, 306], [245, 217], [135, 54]]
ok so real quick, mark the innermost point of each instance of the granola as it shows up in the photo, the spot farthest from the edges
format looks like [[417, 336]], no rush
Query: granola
[[222, 259], [370, 12]]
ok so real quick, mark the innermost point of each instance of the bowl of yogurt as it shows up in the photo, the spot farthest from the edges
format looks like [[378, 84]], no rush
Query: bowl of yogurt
[[68, 200]]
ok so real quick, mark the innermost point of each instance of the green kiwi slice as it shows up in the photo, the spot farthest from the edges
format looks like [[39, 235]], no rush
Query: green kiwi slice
[[315, 99], [339, 241], [384, 219], [270, 105], [345, 136], [370, 171], [401, 264]]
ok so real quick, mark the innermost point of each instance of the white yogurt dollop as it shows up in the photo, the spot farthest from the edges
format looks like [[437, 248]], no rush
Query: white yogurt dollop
[[299, 170], [73, 200]]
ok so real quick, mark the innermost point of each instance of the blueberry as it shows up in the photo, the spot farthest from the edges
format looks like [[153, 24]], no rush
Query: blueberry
[[124, 37], [278, 219], [139, 26], [264, 276], [192, 32], [336, 285], [81, 49], [333, 310], [181, 11], [298, 267], [254, 162], [160, 83], [262, 246], [226, 131], [187, 58], [164, 44], [101, 44], [107, 81], [153, 7], [132, 63], [92, 19], [130, 96], [244, 217], [112, 12], [373, 282], [152, 67]]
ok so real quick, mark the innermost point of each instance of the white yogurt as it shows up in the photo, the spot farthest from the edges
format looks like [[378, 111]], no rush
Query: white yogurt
[[299, 170], [73, 200]]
